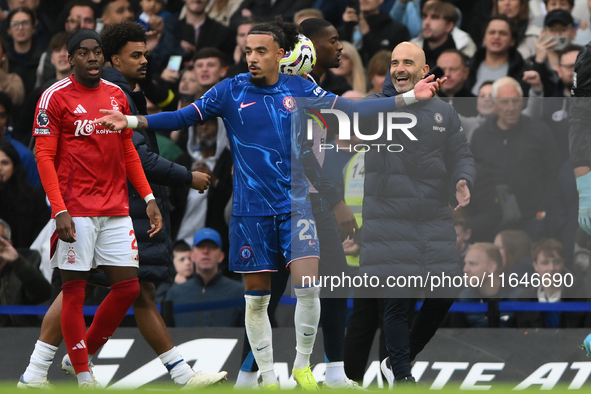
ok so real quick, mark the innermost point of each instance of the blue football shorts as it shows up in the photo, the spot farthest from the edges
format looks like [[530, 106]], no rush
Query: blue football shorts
[[261, 243]]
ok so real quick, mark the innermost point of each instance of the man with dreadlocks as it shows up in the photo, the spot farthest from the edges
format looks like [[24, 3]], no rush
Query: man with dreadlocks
[[271, 214]]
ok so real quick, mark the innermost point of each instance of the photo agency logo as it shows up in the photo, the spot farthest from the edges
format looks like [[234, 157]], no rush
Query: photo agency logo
[[395, 122]]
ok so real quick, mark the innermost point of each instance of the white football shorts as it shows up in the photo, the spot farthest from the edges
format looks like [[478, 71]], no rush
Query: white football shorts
[[103, 240]]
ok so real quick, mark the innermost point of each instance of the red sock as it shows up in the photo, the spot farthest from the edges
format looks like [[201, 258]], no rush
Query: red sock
[[110, 313], [73, 325]]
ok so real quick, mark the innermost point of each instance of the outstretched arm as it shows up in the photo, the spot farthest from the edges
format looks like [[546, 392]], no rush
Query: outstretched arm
[[423, 90], [194, 113], [174, 120]]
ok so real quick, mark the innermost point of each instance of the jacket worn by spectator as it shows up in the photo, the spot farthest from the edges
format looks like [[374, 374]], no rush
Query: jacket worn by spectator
[[21, 283], [458, 39], [155, 253], [219, 288], [211, 34], [534, 319], [523, 157], [516, 68], [407, 223], [25, 65], [216, 196], [483, 320]]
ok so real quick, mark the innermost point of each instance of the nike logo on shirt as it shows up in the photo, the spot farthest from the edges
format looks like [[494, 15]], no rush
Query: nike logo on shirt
[[242, 105], [259, 349]]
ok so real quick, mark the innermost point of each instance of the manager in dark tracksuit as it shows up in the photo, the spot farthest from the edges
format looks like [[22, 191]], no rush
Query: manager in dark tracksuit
[[407, 224]]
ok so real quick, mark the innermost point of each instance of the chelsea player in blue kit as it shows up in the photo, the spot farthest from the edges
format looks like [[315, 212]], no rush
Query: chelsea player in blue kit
[[271, 214]]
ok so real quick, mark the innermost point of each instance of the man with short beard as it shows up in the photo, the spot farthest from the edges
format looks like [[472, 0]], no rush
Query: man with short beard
[[407, 224], [498, 57], [208, 146], [327, 205]]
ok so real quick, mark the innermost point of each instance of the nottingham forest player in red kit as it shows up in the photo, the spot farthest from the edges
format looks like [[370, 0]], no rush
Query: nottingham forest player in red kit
[[83, 168]]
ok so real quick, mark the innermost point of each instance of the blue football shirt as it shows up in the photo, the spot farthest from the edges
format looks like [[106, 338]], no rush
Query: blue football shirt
[[268, 175]]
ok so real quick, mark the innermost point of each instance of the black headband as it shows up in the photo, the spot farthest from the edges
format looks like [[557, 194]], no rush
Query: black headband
[[79, 36]]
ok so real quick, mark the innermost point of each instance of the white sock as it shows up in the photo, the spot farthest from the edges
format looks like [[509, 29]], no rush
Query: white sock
[[246, 379], [39, 362], [260, 337], [268, 377], [84, 377], [335, 373], [306, 317], [178, 368]]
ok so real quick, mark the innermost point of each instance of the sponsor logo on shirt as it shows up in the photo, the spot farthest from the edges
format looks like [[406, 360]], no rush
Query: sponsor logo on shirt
[[83, 127], [242, 105], [319, 92], [438, 118], [86, 128], [42, 118], [80, 110]]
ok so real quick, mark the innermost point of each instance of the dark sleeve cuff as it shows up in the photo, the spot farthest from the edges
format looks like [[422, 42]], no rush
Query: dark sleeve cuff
[[189, 178]]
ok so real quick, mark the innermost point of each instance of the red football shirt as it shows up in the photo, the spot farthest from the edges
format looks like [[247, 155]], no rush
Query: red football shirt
[[89, 161]]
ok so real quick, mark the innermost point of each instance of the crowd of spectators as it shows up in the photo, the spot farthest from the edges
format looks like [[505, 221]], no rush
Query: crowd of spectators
[[509, 67]]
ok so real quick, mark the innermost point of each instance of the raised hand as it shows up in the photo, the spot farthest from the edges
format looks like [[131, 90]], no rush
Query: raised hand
[[7, 251], [532, 78], [428, 87]]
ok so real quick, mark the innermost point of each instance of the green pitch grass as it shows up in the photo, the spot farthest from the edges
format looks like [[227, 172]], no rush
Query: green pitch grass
[[227, 388]]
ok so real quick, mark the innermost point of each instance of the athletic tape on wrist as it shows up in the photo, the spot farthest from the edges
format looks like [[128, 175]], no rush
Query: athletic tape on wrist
[[409, 97], [131, 122]]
